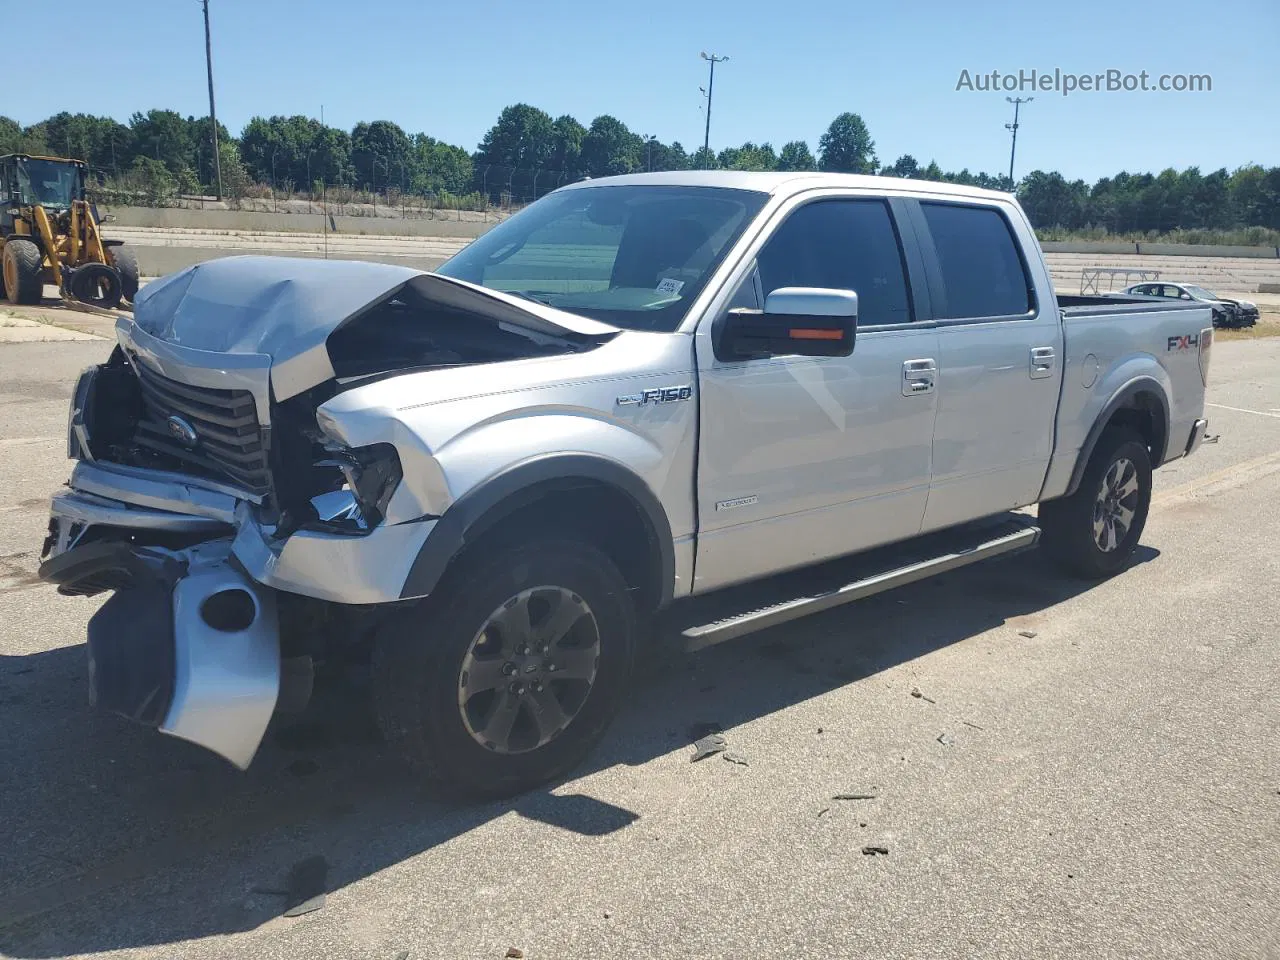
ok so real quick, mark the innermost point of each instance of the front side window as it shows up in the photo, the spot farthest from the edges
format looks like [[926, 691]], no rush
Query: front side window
[[630, 256], [841, 245], [982, 271]]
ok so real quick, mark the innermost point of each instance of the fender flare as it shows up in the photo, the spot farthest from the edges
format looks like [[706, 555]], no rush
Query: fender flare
[[1121, 399], [520, 484]]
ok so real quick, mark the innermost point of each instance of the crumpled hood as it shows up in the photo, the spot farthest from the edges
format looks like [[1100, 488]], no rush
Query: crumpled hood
[[285, 308]]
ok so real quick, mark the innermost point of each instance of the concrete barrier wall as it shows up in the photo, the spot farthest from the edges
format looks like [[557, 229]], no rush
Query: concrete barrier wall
[[1160, 249], [159, 261], [173, 218]]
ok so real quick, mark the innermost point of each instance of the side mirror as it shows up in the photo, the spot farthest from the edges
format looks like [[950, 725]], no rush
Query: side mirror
[[795, 321]]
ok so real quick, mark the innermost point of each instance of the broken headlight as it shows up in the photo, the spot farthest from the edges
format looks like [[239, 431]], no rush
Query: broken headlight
[[371, 473]]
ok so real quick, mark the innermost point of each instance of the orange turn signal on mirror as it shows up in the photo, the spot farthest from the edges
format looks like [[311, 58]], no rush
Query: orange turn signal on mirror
[[806, 333]]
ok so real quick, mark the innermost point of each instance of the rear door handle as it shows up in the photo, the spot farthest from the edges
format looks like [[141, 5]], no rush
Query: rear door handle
[[1042, 360], [919, 377]]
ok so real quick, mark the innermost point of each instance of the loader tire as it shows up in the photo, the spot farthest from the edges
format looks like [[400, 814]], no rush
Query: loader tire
[[23, 266], [126, 265]]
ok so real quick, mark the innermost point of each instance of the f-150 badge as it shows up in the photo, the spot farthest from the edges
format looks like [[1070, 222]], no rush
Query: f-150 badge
[[656, 395]]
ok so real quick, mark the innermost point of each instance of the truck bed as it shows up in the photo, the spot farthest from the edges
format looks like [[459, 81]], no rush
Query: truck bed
[[1086, 305]]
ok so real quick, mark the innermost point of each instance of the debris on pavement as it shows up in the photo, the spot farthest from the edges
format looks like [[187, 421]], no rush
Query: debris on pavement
[[944, 738], [824, 811], [974, 725], [855, 796], [704, 747], [872, 851], [915, 692], [735, 758], [1029, 634], [514, 953]]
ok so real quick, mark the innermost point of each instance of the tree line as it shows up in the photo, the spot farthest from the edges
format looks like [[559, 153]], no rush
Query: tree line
[[527, 153]]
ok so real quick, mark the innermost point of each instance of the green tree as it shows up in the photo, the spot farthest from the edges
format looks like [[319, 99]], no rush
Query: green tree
[[796, 156], [847, 146], [439, 167], [10, 135], [1050, 201], [235, 179], [163, 136], [609, 148], [749, 157], [703, 159], [567, 135], [380, 154], [662, 156], [523, 138], [904, 166]]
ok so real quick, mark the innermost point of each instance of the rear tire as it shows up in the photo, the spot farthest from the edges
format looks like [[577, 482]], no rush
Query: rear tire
[[126, 265], [23, 266], [451, 667], [1093, 533]]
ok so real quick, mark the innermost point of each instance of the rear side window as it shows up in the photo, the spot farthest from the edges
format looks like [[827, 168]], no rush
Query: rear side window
[[841, 245], [982, 271]]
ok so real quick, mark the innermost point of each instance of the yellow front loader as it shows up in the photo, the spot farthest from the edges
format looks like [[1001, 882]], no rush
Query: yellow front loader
[[50, 234]]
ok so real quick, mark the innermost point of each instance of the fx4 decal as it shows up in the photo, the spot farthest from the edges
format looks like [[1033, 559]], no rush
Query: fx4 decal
[[656, 395], [1184, 342]]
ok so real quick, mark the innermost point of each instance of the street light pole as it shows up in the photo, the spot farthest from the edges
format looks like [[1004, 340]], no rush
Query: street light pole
[[213, 114], [711, 86], [648, 151], [1013, 149]]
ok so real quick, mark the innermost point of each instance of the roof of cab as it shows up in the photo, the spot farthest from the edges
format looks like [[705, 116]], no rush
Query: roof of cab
[[784, 183]]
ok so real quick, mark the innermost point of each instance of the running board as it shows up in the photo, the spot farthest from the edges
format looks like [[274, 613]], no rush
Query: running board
[[880, 571]]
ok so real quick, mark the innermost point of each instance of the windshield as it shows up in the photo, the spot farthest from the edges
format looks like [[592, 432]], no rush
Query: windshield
[[50, 183], [1199, 292], [631, 256]]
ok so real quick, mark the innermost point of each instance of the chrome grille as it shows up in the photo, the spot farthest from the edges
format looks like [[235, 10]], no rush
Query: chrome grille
[[230, 443]]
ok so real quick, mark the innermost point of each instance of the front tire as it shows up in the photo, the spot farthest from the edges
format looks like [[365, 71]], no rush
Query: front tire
[[23, 267], [510, 673], [1093, 533], [126, 265]]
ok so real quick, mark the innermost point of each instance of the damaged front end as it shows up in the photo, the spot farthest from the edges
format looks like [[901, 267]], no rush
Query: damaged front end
[[219, 502]]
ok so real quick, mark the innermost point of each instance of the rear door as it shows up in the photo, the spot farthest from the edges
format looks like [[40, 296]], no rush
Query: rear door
[[999, 359], [805, 458]]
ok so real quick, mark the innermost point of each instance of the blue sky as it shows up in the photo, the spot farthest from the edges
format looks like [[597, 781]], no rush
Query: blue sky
[[448, 68]]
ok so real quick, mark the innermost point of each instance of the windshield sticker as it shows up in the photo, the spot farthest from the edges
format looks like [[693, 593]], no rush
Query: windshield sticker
[[669, 285]]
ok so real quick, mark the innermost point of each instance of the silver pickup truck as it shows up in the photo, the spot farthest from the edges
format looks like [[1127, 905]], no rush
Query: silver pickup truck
[[699, 403]]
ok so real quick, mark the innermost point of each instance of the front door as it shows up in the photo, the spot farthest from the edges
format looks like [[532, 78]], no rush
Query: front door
[[806, 458], [999, 357]]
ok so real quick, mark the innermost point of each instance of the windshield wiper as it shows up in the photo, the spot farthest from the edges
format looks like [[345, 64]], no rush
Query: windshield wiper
[[535, 296]]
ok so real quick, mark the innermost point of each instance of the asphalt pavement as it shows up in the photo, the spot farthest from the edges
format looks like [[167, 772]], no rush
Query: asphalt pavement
[[1088, 771]]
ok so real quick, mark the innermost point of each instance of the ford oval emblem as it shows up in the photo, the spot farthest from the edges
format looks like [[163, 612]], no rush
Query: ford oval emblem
[[182, 431]]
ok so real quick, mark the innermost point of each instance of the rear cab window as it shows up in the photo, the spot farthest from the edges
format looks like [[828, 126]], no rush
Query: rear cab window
[[983, 270]]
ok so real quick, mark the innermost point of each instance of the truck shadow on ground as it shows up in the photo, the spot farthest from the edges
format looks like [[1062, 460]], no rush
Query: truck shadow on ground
[[120, 838]]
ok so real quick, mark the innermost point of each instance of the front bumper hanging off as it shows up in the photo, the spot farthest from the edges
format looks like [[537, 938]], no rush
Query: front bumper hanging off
[[187, 643]]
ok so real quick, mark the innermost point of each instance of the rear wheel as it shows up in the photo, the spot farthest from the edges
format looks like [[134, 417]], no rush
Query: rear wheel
[[1094, 532], [511, 672], [126, 265], [23, 267]]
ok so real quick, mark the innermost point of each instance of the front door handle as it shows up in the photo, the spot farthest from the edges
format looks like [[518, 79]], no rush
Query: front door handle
[[1042, 360], [919, 377]]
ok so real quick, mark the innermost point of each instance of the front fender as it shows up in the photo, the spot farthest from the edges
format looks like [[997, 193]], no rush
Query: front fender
[[509, 489]]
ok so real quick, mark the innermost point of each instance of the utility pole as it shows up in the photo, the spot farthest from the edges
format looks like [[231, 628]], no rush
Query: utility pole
[[711, 85], [648, 151], [1013, 149], [213, 114]]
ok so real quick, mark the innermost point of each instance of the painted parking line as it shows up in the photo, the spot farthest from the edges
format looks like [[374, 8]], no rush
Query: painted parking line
[[1258, 413]]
